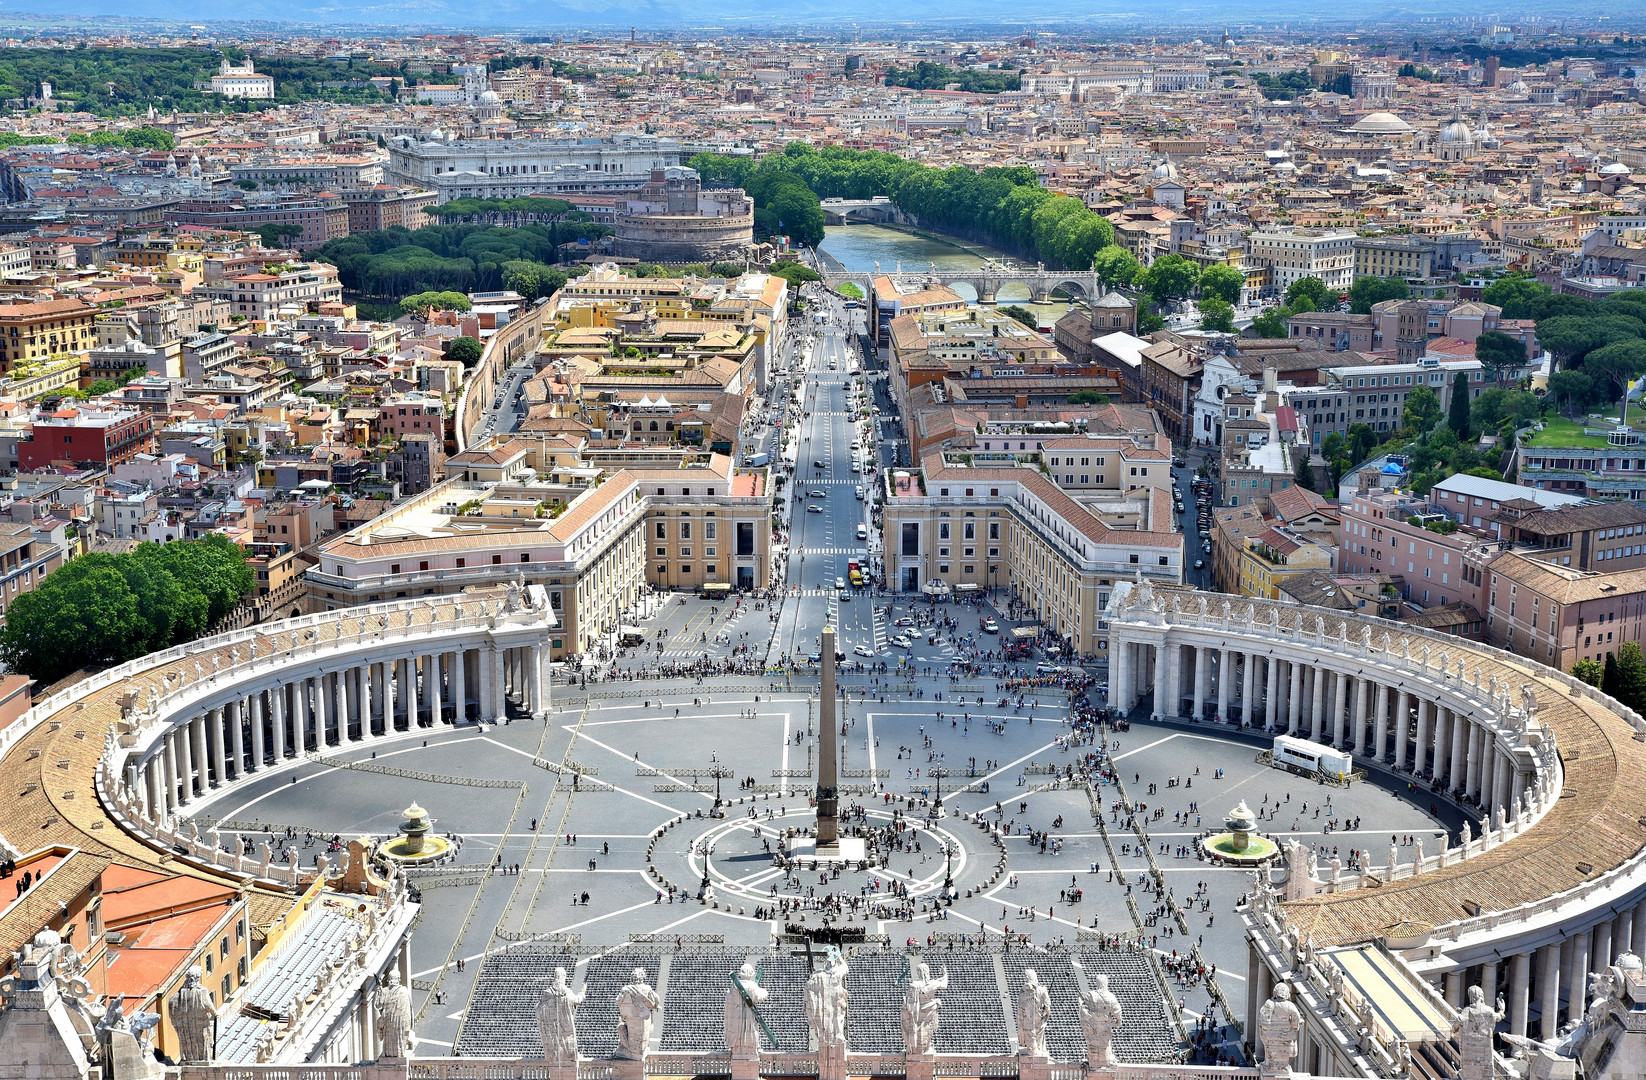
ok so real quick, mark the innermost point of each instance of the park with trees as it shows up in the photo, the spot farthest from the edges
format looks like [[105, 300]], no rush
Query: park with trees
[[103, 609]]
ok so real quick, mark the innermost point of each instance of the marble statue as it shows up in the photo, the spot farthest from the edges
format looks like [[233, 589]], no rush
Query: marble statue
[[394, 1018], [742, 1022], [920, 1010], [557, 1020], [1100, 1016], [826, 1003], [1474, 1028], [636, 1002], [193, 1018], [1034, 1011], [1278, 1025]]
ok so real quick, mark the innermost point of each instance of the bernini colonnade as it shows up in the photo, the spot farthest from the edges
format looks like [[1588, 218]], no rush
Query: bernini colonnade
[[1550, 772]]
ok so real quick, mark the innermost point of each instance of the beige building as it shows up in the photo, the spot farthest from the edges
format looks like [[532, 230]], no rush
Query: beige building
[[969, 528], [595, 539]]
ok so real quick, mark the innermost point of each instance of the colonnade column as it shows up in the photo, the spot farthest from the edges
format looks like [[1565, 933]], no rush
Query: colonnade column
[[1402, 719], [1460, 752], [1380, 731], [1340, 711], [1471, 771], [256, 732], [185, 761], [1294, 702], [535, 680], [1248, 671], [214, 739], [1159, 683], [1442, 740], [1548, 988], [497, 707], [1577, 992], [1202, 680], [340, 704], [1361, 686], [460, 683], [1420, 745], [1602, 958], [1271, 696], [237, 737], [1317, 703], [1225, 684], [169, 770]]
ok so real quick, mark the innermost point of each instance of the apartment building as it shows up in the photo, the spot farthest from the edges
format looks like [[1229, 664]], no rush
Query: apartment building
[[1290, 254], [1003, 527], [44, 328], [260, 296], [384, 206], [594, 547], [322, 217], [26, 557], [1559, 615], [85, 438]]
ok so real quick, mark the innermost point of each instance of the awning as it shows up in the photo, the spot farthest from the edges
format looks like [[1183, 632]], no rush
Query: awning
[[1025, 633]]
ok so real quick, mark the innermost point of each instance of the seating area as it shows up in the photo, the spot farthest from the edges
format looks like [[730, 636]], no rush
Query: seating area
[[597, 1016], [1063, 1035], [694, 1007], [784, 977], [1148, 1033], [501, 1020], [972, 1021], [874, 1019]]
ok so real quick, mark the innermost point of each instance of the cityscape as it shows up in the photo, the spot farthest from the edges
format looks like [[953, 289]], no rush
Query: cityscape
[[491, 501]]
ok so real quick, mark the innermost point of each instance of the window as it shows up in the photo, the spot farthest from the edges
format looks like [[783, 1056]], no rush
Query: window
[[1134, 558], [662, 531], [685, 530]]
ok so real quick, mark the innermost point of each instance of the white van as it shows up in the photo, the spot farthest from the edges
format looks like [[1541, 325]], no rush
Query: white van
[[862, 531]]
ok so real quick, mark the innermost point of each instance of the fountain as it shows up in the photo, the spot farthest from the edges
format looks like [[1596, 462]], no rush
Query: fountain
[[416, 844], [1240, 845]]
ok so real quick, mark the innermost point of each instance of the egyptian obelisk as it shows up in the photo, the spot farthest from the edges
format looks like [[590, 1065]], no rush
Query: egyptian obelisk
[[828, 767]]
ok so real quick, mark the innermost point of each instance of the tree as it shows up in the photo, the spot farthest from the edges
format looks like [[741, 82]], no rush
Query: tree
[[1088, 397], [1216, 315], [1457, 411], [1313, 288], [1362, 441], [1302, 471], [435, 301], [1572, 337], [1589, 671], [1498, 404], [1170, 277], [1370, 289], [103, 609], [1022, 315], [1499, 354], [1613, 367], [1303, 305], [1629, 684], [1421, 411], [1515, 294], [795, 274], [1271, 323], [1574, 387], [1115, 267], [850, 291], [275, 236], [1222, 281], [466, 350]]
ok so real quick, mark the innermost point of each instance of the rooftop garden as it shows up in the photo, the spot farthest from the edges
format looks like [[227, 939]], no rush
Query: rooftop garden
[[1558, 431]]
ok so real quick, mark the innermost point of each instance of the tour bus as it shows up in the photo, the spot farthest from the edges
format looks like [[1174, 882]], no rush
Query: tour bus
[[1301, 754]]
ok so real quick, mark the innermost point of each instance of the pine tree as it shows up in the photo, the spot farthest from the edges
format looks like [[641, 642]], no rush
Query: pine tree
[[1457, 413]]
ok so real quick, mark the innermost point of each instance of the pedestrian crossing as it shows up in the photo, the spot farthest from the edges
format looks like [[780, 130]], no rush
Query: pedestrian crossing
[[809, 550]]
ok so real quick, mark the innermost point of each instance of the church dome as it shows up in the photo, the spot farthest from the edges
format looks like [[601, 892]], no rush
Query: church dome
[[1381, 123], [1165, 170], [1616, 168], [1456, 132], [489, 97]]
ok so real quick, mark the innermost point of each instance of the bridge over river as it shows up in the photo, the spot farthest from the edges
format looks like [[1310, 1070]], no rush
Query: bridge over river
[[987, 280]]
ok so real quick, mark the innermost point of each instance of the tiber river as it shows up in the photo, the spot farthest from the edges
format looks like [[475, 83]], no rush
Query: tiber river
[[859, 247]]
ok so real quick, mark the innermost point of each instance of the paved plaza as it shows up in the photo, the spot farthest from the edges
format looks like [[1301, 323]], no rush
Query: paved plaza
[[648, 752]]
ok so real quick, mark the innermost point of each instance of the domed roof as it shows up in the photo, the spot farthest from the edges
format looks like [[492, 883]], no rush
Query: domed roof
[[1616, 168], [1165, 170], [1456, 132], [1381, 123], [489, 97]]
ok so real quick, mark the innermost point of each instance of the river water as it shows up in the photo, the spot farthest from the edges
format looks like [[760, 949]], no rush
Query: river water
[[859, 247]]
